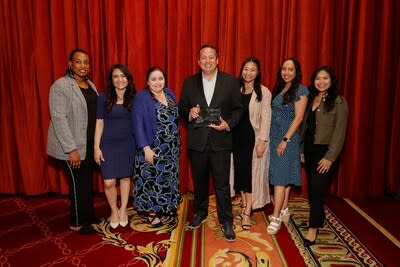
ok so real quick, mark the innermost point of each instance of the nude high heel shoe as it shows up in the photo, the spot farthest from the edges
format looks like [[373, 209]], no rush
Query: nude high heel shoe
[[114, 224], [123, 223]]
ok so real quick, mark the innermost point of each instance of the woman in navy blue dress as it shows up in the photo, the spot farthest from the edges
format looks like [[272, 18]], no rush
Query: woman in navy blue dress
[[155, 119], [114, 147], [289, 101]]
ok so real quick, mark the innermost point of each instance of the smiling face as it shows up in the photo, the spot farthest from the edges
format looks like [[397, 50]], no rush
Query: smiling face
[[322, 81], [80, 65], [156, 81], [288, 71], [119, 79], [208, 60], [249, 72]]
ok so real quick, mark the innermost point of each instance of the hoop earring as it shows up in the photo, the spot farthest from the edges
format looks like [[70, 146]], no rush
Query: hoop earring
[[70, 72]]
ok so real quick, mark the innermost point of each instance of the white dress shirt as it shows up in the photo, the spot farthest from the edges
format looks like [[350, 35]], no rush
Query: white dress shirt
[[209, 86]]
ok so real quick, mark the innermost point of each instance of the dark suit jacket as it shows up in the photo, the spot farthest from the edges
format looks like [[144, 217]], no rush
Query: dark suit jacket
[[226, 97]]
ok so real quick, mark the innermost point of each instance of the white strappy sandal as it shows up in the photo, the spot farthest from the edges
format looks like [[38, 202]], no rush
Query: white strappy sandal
[[285, 215], [274, 225]]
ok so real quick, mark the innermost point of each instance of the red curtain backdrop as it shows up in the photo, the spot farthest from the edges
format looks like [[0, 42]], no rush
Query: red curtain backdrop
[[360, 39]]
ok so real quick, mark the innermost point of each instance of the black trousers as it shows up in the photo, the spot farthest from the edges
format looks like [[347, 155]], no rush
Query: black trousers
[[80, 189], [218, 162], [318, 184]]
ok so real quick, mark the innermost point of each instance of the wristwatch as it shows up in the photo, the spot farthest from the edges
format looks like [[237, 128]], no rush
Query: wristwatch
[[285, 139]]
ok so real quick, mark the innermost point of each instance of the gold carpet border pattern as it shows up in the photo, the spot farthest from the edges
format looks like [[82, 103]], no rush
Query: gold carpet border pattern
[[277, 246], [336, 244], [379, 227], [174, 254]]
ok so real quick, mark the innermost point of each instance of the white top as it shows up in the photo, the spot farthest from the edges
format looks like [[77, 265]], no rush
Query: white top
[[209, 86]]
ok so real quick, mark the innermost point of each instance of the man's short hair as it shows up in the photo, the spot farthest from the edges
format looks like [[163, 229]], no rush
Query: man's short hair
[[209, 46]]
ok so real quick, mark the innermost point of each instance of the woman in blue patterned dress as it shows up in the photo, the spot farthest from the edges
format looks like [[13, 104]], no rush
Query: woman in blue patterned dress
[[114, 145], [155, 120], [288, 105]]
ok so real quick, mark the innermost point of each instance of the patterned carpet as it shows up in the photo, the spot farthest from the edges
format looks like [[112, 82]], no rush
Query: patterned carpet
[[336, 244], [150, 245], [34, 232], [251, 248]]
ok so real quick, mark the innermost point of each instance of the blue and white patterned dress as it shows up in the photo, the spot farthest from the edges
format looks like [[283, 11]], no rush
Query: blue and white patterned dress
[[285, 170], [157, 186]]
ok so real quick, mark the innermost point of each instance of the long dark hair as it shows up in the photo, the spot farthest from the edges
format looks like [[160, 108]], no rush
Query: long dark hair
[[290, 95], [69, 71], [332, 91], [111, 94], [257, 80]]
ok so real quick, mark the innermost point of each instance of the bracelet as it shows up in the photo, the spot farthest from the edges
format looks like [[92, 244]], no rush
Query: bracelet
[[285, 139]]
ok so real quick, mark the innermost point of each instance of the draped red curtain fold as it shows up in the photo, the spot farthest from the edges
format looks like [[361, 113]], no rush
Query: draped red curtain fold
[[360, 39]]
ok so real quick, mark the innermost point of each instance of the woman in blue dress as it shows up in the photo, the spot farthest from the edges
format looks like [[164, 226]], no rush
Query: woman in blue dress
[[114, 145], [288, 105], [155, 120]]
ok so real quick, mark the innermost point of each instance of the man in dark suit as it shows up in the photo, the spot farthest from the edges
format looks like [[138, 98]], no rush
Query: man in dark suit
[[210, 145]]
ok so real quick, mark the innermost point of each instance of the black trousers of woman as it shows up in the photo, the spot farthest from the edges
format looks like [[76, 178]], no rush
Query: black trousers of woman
[[80, 189], [318, 184]]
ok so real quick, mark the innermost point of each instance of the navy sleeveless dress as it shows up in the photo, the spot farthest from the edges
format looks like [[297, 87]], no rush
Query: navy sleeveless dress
[[117, 141]]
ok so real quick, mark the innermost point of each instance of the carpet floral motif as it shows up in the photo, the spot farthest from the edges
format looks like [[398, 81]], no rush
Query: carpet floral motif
[[251, 248], [152, 253]]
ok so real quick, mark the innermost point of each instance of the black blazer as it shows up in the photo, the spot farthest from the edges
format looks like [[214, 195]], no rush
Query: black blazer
[[226, 96]]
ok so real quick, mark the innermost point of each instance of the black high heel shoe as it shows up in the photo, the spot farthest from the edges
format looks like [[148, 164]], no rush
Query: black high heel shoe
[[308, 243], [239, 217]]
